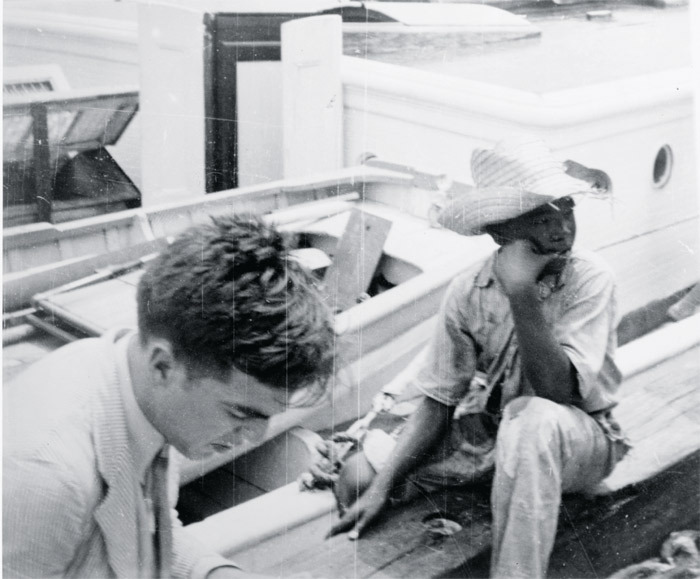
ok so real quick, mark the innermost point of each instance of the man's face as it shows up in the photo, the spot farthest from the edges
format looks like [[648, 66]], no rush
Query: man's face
[[551, 228], [201, 416]]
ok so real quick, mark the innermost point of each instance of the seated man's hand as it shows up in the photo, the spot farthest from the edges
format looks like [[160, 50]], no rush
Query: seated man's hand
[[517, 266], [361, 514]]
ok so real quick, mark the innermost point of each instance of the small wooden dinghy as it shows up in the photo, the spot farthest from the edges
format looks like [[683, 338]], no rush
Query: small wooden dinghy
[[386, 298]]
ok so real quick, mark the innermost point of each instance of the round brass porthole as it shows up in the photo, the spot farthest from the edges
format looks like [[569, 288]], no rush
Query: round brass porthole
[[663, 167]]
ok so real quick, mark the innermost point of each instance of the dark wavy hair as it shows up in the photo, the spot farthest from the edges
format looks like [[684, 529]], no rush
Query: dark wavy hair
[[227, 294]]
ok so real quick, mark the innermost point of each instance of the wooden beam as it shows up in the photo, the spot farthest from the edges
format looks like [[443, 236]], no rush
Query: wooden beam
[[355, 259], [43, 181]]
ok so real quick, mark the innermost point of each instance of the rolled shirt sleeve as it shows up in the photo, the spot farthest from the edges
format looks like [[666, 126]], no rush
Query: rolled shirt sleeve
[[450, 360], [586, 331]]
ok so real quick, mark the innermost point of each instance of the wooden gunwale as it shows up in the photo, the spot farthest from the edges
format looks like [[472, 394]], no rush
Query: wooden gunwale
[[33, 251]]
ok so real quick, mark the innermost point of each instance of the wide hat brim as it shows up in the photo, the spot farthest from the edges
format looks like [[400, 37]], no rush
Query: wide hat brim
[[483, 206], [512, 179]]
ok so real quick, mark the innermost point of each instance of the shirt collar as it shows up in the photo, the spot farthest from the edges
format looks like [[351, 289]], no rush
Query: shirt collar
[[144, 440], [486, 275]]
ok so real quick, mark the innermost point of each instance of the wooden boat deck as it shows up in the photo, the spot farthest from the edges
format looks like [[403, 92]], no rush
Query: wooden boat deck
[[596, 536], [653, 492]]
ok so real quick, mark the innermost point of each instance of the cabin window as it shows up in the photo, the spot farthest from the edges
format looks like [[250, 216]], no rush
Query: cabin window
[[663, 165]]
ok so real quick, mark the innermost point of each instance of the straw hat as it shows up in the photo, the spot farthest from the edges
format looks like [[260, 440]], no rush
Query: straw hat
[[513, 178]]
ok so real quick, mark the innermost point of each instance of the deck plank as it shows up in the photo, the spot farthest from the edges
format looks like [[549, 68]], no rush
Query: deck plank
[[109, 304], [660, 411], [596, 537], [651, 493], [629, 526]]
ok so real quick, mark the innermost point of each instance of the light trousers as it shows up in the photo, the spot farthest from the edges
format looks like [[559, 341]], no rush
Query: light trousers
[[543, 449]]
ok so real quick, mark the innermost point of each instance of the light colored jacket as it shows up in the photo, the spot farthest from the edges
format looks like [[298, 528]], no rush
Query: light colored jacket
[[71, 496]]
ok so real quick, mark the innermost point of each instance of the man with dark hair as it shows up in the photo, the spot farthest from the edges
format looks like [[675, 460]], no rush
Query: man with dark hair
[[519, 376], [231, 331]]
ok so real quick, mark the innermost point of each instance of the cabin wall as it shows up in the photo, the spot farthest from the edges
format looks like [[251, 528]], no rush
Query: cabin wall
[[434, 122], [642, 219]]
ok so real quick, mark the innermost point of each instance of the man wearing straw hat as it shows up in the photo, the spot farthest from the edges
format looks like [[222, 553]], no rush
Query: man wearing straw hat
[[519, 376]]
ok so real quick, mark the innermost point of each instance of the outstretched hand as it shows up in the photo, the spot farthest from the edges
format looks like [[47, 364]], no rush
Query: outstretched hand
[[361, 514]]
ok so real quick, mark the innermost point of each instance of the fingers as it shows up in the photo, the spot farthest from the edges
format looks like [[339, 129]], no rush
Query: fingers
[[324, 447], [348, 522], [320, 473], [358, 530], [364, 521], [326, 464], [357, 519], [345, 523], [332, 450]]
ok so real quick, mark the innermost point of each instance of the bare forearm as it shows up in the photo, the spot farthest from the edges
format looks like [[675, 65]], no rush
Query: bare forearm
[[545, 365], [425, 428]]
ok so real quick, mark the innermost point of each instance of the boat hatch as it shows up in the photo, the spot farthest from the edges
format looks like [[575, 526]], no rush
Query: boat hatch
[[74, 176]]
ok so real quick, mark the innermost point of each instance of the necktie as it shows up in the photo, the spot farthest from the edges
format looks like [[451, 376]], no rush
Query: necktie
[[161, 508]]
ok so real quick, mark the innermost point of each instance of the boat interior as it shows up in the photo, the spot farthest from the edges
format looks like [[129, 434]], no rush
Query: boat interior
[[405, 92], [77, 269]]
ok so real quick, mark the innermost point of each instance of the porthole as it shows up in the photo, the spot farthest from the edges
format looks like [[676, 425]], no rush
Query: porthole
[[663, 167]]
